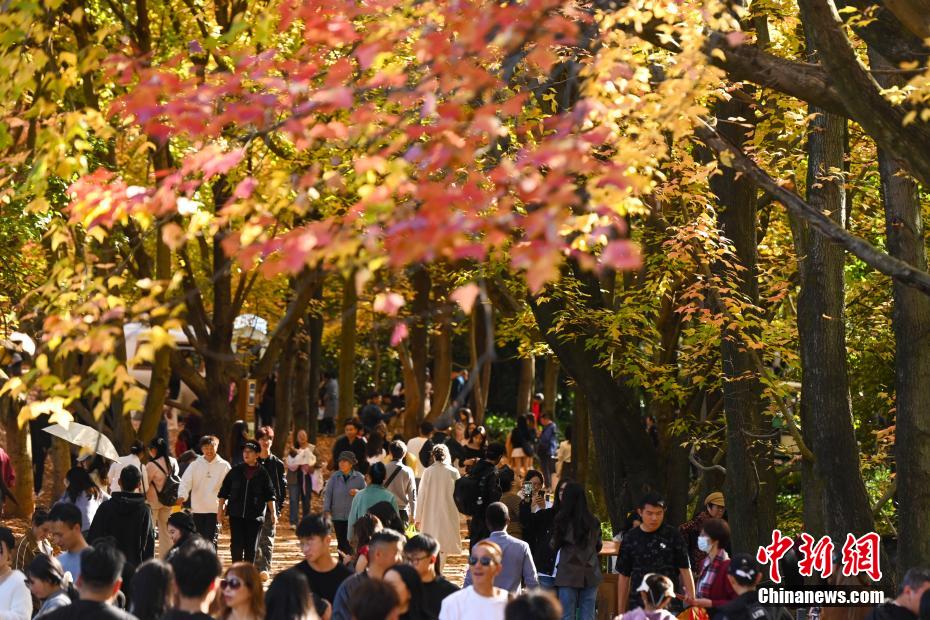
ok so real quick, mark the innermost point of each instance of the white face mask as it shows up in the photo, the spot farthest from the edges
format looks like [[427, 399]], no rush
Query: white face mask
[[703, 543]]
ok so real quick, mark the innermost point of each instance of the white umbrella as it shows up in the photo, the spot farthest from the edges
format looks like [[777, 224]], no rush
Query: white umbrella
[[84, 436], [26, 343]]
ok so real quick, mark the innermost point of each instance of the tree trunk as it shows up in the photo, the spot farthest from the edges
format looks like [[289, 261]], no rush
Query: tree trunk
[[284, 395], [911, 323], [304, 393], [628, 465], [419, 339], [315, 326], [347, 351], [750, 486], [581, 438], [481, 357], [442, 363], [161, 365], [19, 448], [550, 385], [527, 385], [412, 396], [60, 453]]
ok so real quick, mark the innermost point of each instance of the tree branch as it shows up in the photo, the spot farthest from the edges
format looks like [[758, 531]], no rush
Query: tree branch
[[880, 261], [882, 120], [307, 282]]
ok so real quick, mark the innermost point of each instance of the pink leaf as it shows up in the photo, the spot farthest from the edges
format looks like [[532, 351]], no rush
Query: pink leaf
[[621, 254], [223, 163], [399, 334], [465, 296], [735, 39], [388, 303], [245, 188]]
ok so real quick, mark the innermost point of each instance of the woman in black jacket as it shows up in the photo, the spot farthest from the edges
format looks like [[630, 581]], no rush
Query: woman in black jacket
[[576, 537], [536, 517]]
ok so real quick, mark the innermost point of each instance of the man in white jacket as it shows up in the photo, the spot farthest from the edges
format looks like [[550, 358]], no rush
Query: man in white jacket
[[201, 482]]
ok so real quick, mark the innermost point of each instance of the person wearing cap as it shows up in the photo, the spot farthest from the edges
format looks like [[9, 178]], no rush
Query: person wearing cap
[[714, 507], [247, 496], [201, 484], [744, 574], [653, 547], [180, 530], [338, 495], [656, 592]]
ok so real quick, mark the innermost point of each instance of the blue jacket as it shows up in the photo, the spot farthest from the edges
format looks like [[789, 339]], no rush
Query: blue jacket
[[336, 498], [548, 442]]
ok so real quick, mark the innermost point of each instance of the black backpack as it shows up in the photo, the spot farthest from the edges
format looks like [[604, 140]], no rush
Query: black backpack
[[471, 494], [168, 493]]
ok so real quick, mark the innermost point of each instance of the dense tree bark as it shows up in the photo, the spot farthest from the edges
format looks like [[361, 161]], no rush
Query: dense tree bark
[[550, 384], [303, 394], [526, 385], [581, 439], [911, 324], [347, 351], [284, 394], [826, 414], [60, 453], [481, 356], [442, 362], [19, 449], [419, 338], [750, 484], [314, 322]]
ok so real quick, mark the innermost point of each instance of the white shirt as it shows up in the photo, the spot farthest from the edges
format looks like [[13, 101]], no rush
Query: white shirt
[[117, 467], [413, 447], [15, 599], [201, 482], [466, 604]]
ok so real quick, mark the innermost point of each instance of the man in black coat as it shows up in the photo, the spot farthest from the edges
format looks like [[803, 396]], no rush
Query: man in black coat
[[351, 442], [126, 518], [247, 496], [485, 471], [275, 468]]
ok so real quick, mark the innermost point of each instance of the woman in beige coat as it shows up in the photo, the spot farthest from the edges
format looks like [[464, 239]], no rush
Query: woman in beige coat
[[160, 466], [436, 513]]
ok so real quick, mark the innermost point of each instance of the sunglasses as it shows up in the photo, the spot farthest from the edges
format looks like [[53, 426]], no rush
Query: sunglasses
[[484, 561], [232, 583]]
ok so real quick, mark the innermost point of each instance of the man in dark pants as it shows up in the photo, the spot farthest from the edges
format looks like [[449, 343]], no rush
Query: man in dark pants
[[547, 446], [200, 484], [485, 471], [275, 468], [247, 495]]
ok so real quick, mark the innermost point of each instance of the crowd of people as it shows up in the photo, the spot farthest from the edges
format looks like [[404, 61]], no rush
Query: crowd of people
[[138, 539]]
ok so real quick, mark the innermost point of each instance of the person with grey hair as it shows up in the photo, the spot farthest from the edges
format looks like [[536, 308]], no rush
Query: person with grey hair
[[436, 513]]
